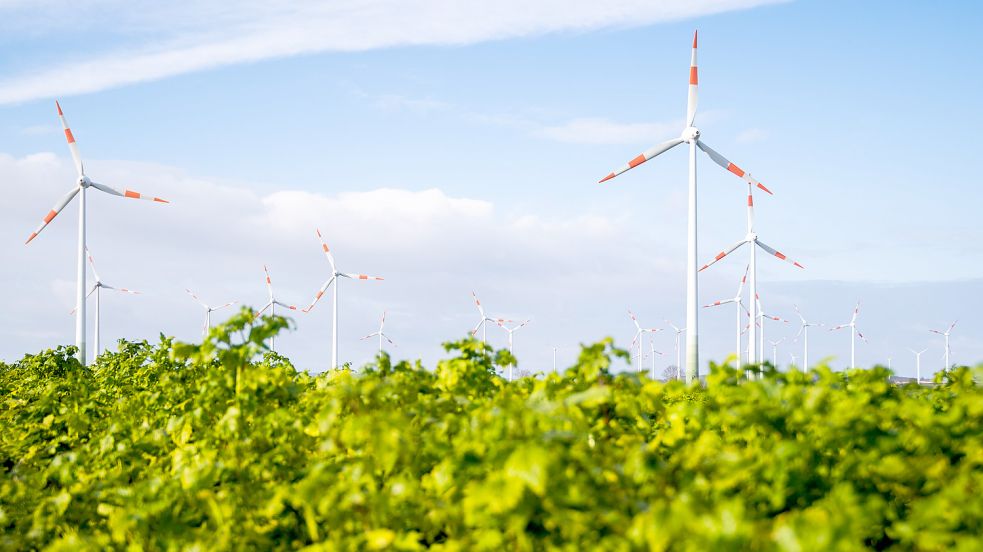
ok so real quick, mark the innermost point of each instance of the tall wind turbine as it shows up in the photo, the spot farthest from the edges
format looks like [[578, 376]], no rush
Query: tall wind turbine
[[678, 331], [739, 301], [691, 136], [81, 183], [484, 318], [639, 331], [511, 331], [752, 239], [852, 324], [208, 311], [97, 287], [273, 302], [918, 364], [946, 334], [335, 275], [804, 332], [382, 324]]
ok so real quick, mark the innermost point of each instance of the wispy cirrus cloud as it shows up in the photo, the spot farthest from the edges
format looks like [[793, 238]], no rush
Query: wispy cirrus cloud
[[166, 39]]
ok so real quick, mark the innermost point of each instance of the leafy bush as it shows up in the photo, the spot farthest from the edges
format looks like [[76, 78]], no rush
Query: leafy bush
[[224, 445]]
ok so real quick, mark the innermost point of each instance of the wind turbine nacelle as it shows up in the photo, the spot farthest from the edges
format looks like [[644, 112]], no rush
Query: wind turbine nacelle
[[690, 134]]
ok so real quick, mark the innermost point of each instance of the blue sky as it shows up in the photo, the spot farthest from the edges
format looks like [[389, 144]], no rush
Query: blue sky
[[265, 121]]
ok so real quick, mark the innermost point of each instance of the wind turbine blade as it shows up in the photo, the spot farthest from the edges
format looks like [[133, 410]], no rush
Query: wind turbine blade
[[360, 276], [317, 296], [92, 264], [195, 297], [327, 252], [635, 339], [644, 156], [740, 288], [722, 254], [76, 156], [778, 254], [693, 82], [477, 303], [269, 284], [122, 290], [799, 314], [722, 302], [840, 327], [125, 193], [861, 335], [633, 319], [284, 305], [937, 332], [368, 336], [262, 310], [856, 312], [391, 342], [953, 325], [723, 162], [477, 327], [53, 213], [382, 323], [87, 295], [229, 304]]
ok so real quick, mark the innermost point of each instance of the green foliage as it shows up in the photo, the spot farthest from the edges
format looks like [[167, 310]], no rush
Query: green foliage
[[224, 445]]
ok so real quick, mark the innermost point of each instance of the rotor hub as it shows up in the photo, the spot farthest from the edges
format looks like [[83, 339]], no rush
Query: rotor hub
[[84, 181], [690, 134]]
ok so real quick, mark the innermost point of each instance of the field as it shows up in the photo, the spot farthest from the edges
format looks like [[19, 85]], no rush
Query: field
[[222, 445]]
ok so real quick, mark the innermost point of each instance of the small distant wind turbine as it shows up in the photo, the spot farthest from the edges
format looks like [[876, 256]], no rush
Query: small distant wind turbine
[[208, 311], [762, 316], [484, 318], [654, 352], [918, 364], [946, 334], [804, 332], [639, 331], [792, 357], [678, 331], [852, 324], [81, 184], [690, 135], [335, 275], [96, 288], [379, 333], [774, 350], [739, 301], [511, 331], [273, 302]]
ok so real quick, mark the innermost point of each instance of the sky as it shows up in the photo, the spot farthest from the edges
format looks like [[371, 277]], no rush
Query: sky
[[453, 147]]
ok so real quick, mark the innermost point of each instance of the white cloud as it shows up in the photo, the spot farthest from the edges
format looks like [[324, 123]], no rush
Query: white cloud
[[595, 130], [171, 38], [751, 135]]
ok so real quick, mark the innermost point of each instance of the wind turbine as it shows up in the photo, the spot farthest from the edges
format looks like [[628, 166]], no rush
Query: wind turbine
[[762, 315], [273, 302], [792, 357], [691, 136], [946, 334], [510, 331], [484, 318], [208, 311], [774, 350], [379, 333], [81, 184], [637, 339], [852, 324], [678, 331], [804, 332], [654, 352], [97, 287], [918, 364], [739, 300], [335, 274], [752, 239]]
